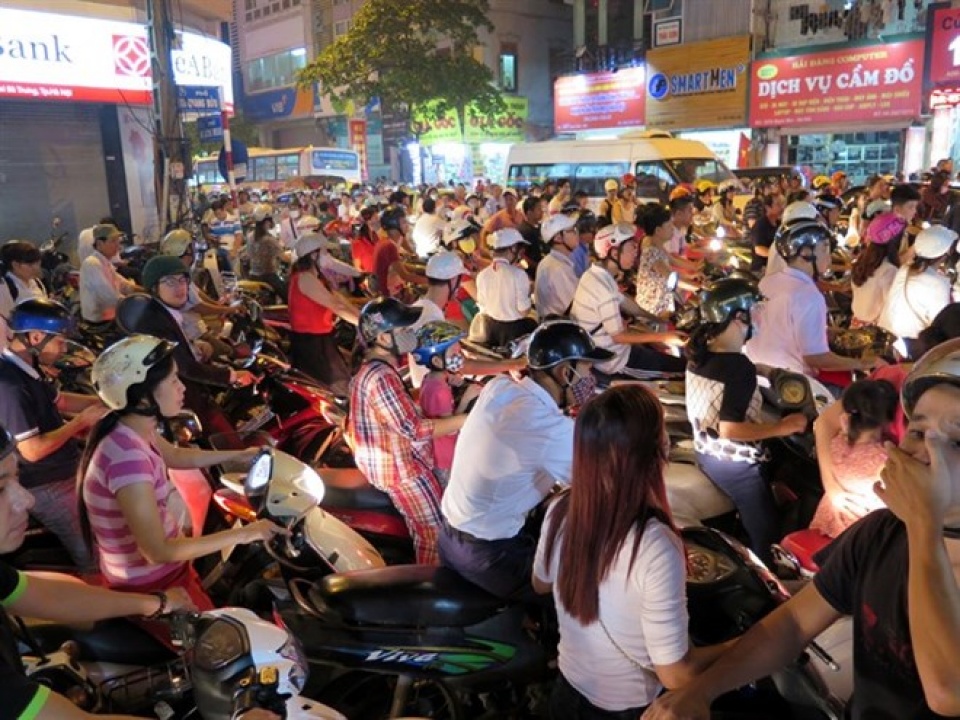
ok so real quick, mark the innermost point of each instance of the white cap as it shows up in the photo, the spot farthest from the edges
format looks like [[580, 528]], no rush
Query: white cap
[[556, 224], [800, 210], [934, 242], [445, 265], [508, 237], [311, 242]]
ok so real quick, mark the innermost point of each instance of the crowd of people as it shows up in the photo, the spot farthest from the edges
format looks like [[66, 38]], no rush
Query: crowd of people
[[588, 297]]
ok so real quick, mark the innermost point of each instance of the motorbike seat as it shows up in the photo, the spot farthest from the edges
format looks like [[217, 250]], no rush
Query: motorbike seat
[[109, 641], [405, 596], [804, 544], [348, 488]]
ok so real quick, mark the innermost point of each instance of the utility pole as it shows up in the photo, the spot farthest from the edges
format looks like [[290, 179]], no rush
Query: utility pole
[[168, 134]]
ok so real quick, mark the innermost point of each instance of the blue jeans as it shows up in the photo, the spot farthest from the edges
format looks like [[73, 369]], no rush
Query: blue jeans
[[55, 507], [566, 703], [746, 486]]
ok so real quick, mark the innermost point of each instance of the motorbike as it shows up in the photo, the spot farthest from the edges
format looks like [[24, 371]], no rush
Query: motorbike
[[224, 662], [55, 263]]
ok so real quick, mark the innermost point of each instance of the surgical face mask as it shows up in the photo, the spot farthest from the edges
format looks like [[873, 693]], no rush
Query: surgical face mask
[[468, 246], [404, 341], [454, 362]]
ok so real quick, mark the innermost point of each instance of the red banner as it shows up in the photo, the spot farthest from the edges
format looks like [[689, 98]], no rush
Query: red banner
[[357, 130], [945, 47], [858, 85], [600, 100]]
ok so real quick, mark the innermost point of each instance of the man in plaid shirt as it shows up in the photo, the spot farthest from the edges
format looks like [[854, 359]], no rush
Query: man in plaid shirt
[[391, 439]]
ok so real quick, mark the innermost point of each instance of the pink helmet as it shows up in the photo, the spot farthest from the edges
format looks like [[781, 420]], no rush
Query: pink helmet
[[612, 236], [884, 228]]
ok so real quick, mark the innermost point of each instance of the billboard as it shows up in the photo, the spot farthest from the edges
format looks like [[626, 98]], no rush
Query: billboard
[[698, 85], [48, 56], [855, 85], [599, 101]]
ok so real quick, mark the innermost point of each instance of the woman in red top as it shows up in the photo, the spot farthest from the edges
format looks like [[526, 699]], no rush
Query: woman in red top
[[362, 245], [314, 306]]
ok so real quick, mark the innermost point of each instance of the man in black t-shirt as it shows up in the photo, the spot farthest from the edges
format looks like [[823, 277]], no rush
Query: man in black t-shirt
[[764, 231], [533, 209], [30, 407]]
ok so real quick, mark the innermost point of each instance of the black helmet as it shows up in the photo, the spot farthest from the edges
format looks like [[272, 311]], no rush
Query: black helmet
[[385, 314], [41, 315], [560, 341], [727, 296], [800, 235], [587, 222], [391, 217]]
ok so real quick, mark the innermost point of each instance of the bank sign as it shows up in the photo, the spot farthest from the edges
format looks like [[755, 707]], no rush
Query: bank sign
[[47, 56]]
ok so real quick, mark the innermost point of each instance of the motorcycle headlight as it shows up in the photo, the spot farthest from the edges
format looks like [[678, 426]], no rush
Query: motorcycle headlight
[[716, 245], [222, 642]]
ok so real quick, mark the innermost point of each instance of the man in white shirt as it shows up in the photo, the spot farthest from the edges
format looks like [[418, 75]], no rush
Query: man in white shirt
[[85, 239], [503, 292], [101, 286], [428, 230], [556, 281], [597, 308], [515, 447], [791, 325]]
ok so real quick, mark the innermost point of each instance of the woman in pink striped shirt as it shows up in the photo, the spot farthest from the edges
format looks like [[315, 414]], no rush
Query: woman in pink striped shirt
[[131, 511]]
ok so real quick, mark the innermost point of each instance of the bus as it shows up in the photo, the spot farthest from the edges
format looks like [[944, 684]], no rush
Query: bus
[[284, 169]]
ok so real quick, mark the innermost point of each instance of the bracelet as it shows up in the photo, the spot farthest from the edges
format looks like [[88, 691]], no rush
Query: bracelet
[[162, 596]]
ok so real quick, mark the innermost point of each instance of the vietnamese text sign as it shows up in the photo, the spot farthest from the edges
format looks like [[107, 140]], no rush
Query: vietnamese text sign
[[210, 129], [667, 32], [357, 139], [193, 99], [698, 85], [598, 101], [63, 57], [877, 82], [944, 47], [506, 126]]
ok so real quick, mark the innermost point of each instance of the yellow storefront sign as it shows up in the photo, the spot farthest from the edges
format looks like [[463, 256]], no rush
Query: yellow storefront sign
[[699, 85], [506, 126]]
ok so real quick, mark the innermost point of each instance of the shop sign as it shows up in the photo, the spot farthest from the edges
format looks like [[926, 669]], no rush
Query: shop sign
[[196, 100], [210, 128], [290, 102], [599, 101], [877, 82], [506, 126], [667, 32], [944, 47], [357, 138], [698, 85], [63, 57]]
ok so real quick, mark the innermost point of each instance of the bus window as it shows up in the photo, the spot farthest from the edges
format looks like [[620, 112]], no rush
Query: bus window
[[288, 166], [264, 169], [690, 170], [590, 177], [522, 176], [653, 180]]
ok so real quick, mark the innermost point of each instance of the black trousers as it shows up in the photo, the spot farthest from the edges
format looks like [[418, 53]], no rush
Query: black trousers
[[566, 703], [501, 334], [319, 357]]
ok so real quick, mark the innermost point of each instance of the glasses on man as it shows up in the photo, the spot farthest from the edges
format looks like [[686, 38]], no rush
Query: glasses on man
[[175, 281]]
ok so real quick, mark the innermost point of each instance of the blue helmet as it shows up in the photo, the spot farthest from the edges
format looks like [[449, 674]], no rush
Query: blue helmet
[[435, 338], [41, 315]]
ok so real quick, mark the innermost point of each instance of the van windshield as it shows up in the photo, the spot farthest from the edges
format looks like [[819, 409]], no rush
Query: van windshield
[[690, 170]]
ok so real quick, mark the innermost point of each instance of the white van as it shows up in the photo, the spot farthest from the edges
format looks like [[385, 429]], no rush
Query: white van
[[658, 161]]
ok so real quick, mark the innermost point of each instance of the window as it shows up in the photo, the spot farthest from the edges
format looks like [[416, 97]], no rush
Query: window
[[251, 4], [508, 67], [288, 166], [264, 169], [341, 28], [286, 4], [274, 71], [590, 177]]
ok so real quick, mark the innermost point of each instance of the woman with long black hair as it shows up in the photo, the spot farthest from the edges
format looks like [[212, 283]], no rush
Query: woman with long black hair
[[619, 584]]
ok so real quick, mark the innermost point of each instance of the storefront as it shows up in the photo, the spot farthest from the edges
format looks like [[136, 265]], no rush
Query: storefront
[[843, 109], [942, 82], [75, 119], [444, 152]]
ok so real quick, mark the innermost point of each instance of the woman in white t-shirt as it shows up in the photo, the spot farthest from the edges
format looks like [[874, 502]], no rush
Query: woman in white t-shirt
[[873, 273], [620, 588], [919, 290]]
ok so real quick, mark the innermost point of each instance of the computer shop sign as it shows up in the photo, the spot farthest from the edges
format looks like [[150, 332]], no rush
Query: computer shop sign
[[47, 56]]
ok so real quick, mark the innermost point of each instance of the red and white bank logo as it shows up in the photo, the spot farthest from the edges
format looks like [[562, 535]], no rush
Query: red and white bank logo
[[131, 56]]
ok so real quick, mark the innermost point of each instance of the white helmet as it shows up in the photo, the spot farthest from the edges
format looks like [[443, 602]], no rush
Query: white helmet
[[445, 265], [458, 230], [311, 242], [262, 211], [612, 236], [800, 210], [176, 242], [125, 364], [308, 223], [506, 238], [730, 184], [935, 241]]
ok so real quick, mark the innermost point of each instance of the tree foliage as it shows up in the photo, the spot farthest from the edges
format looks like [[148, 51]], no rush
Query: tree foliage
[[417, 53]]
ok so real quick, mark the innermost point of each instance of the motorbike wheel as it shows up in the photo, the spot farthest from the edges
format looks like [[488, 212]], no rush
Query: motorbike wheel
[[367, 696]]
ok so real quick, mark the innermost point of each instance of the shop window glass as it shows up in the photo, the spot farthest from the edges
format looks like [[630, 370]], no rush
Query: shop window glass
[[508, 67]]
